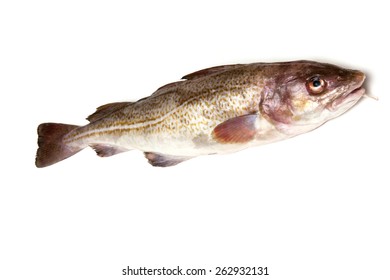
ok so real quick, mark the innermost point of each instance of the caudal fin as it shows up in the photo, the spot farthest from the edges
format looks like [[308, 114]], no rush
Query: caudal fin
[[51, 148]]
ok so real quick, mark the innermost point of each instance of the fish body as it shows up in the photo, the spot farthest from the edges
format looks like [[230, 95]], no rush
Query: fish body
[[212, 111]]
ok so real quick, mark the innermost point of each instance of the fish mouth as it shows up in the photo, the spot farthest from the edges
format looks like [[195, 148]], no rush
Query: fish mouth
[[359, 91], [347, 100]]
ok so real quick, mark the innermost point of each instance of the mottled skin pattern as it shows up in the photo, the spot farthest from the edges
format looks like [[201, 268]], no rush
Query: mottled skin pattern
[[216, 110], [179, 117]]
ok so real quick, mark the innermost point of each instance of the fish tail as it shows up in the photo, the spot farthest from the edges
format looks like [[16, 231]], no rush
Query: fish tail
[[51, 147]]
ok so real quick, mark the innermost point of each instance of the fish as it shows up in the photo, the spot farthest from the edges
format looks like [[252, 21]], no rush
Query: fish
[[217, 110]]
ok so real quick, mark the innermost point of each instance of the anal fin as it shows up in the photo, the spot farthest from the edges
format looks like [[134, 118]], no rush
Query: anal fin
[[103, 150], [164, 160]]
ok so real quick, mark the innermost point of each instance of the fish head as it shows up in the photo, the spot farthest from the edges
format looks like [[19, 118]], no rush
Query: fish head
[[303, 95]]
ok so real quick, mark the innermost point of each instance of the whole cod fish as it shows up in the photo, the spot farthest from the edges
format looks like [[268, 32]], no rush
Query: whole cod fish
[[217, 110]]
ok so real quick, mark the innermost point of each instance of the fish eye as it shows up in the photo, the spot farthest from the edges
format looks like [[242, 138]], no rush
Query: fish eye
[[315, 85]]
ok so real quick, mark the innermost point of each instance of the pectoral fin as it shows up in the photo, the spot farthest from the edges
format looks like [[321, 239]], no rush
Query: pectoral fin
[[240, 129]]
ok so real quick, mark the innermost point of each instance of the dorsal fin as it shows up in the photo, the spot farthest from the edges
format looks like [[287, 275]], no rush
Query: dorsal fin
[[195, 75], [164, 89], [169, 86], [107, 109], [210, 71]]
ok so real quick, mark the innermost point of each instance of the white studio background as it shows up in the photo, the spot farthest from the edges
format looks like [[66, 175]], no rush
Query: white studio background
[[312, 207]]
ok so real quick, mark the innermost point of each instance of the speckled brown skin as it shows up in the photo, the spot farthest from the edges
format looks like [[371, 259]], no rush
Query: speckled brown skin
[[250, 104], [184, 112]]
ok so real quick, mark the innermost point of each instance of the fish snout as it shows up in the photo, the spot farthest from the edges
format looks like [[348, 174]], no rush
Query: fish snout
[[358, 78]]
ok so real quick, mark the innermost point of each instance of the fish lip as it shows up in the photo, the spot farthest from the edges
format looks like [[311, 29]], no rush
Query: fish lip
[[350, 97], [356, 93]]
